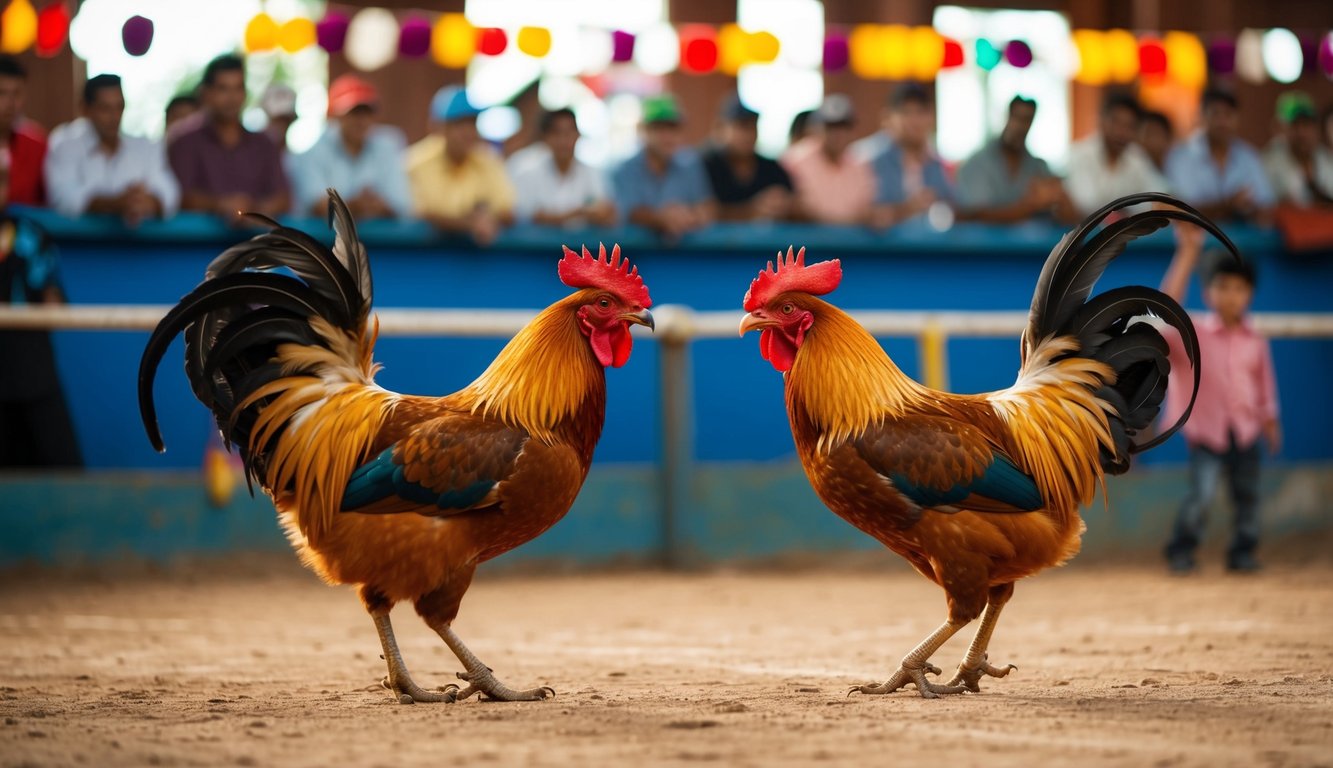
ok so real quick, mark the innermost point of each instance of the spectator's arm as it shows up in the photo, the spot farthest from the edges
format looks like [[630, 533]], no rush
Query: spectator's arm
[[67, 192], [278, 198], [161, 183], [185, 166], [1189, 242]]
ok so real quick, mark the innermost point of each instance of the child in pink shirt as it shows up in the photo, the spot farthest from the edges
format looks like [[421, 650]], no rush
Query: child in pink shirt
[[1236, 406]]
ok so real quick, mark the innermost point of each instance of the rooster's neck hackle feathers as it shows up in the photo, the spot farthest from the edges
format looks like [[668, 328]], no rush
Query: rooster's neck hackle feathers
[[843, 380], [544, 375]]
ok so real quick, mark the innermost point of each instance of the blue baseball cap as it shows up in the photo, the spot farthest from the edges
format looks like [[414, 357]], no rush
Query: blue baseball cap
[[450, 103]]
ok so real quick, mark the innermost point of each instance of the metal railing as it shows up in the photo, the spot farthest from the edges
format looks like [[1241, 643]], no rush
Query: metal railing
[[677, 327]]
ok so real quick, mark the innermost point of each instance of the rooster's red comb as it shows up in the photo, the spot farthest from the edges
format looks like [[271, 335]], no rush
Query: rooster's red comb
[[612, 274], [793, 275]]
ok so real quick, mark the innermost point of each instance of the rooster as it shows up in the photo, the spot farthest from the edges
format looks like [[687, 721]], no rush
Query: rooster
[[977, 491], [401, 495]]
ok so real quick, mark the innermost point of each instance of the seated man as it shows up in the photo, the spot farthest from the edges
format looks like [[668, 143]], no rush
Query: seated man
[[360, 159], [833, 185], [1156, 137], [553, 186], [1004, 183], [1215, 171], [909, 176], [458, 182], [1108, 164], [746, 185], [1299, 167], [663, 186], [91, 167], [22, 142], [222, 167]]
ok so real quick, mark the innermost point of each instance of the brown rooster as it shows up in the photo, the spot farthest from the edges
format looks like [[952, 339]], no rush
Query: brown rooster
[[976, 491], [401, 495]]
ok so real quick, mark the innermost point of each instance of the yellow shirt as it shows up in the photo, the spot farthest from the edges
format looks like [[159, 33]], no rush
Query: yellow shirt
[[439, 187]]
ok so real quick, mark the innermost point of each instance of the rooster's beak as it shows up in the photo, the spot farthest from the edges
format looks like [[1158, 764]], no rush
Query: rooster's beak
[[642, 317], [755, 321]]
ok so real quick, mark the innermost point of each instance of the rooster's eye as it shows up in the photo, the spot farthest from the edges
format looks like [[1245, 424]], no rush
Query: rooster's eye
[[603, 302], [787, 309]]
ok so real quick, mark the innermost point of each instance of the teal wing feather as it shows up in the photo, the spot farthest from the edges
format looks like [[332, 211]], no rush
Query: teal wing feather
[[446, 466]]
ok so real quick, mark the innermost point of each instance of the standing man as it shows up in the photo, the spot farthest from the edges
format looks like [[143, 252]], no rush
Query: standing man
[[22, 142], [357, 157], [833, 185], [1215, 171], [92, 167], [746, 185], [223, 168], [663, 187], [554, 187], [1108, 164], [1004, 183], [458, 182]]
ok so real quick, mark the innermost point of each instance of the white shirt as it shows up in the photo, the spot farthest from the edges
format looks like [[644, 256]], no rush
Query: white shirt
[[541, 188], [1093, 182], [1288, 177], [78, 169]]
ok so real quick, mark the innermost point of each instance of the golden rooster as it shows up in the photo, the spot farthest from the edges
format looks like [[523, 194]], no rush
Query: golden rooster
[[401, 495], [976, 491]]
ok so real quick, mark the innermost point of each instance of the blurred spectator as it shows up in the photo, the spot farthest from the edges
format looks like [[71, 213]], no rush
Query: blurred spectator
[[909, 176], [664, 187], [745, 184], [1299, 167], [1004, 183], [458, 182], [1215, 171], [179, 108], [35, 426], [1237, 403], [1108, 164], [22, 142], [833, 186], [1156, 137], [552, 186], [357, 157], [279, 104], [223, 168], [1326, 131], [800, 126], [91, 167]]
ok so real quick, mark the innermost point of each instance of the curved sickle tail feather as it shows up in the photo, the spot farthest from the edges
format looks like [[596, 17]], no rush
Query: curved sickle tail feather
[[265, 350], [1108, 328]]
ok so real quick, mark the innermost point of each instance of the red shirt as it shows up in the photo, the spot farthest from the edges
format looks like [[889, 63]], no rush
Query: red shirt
[[27, 152], [1237, 388]]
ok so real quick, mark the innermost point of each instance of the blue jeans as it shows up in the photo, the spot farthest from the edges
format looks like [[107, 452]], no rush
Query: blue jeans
[[1241, 465]]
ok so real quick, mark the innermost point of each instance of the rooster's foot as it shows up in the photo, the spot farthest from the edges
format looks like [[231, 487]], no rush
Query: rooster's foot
[[408, 692], [484, 682], [970, 677], [914, 676]]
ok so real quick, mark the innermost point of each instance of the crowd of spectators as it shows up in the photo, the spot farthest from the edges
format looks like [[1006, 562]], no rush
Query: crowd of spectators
[[460, 183]]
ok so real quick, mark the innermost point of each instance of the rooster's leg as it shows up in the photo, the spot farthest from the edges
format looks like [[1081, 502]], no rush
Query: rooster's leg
[[479, 677], [915, 666], [398, 681], [975, 663]]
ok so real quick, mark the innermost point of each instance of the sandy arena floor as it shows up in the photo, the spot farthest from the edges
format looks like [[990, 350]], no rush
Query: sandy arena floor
[[1117, 666]]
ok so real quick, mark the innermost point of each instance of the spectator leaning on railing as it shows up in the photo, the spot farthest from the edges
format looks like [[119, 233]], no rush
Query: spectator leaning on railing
[[91, 167], [1299, 167], [833, 185], [909, 176], [553, 187], [746, 185], [1108, 164], [663, 186], [1004, 183], [222, 167], [22, 142], [458, 182], [1215, 171], [357, 157]]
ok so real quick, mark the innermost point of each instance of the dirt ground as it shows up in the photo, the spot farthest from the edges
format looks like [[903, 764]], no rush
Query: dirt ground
[[1116, 666]]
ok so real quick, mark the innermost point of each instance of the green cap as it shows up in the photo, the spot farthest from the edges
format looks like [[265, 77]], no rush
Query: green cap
[[661, 108], [1293, 106]]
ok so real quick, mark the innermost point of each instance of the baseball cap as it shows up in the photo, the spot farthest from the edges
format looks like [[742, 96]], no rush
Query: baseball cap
[[836, 110], [734, 110], [451, 103], [349, 92], [1295, 105], [278, 100], [661, 108]]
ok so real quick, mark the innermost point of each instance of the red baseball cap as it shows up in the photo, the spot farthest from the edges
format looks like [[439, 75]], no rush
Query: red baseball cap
[[349, 92]]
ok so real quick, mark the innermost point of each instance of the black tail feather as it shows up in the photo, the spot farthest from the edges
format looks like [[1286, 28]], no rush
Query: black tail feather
[[1107, 326]]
